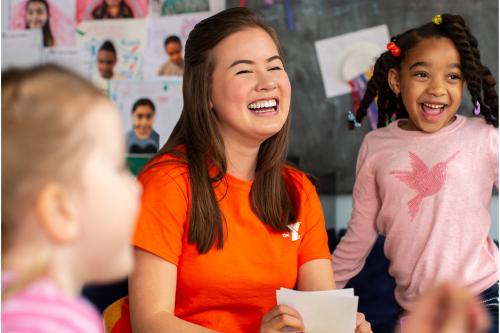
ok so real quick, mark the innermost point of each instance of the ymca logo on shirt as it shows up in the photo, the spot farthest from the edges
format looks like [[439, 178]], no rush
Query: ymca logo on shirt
[[294, 231]]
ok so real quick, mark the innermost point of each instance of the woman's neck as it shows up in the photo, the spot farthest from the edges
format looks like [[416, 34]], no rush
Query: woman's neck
[[241, 160]]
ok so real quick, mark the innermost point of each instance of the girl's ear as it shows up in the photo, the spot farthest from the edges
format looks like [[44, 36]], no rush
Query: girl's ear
[[57, 214], [394, 81]]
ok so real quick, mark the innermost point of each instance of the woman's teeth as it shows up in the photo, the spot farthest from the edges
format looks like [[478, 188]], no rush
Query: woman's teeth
[[263, 106]]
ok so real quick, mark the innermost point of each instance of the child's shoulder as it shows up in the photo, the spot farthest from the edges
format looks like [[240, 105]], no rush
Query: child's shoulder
[[41, 306], [477, 123], [382, 131], [462, 124], [476, 129], [380, 135]]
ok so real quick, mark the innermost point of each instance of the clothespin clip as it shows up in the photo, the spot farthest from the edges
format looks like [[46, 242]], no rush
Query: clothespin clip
[[352, 118]]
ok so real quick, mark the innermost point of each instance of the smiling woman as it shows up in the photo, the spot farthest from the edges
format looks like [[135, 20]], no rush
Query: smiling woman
[[250, 92], [214, 238]]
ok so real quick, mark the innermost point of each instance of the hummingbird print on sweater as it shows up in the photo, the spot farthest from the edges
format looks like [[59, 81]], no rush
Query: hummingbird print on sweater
[[425, 181]]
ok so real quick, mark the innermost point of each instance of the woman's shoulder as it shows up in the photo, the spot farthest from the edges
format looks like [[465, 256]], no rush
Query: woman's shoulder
[[165, 168], [299, 178]]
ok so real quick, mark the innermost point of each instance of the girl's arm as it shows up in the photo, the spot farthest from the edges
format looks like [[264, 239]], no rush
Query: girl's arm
[[152, 287], [350, 255]]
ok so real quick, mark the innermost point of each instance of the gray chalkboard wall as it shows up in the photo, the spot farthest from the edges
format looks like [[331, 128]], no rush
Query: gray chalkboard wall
[[319, 135]]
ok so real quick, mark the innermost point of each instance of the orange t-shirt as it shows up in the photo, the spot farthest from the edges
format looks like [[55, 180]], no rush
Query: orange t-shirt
[[227, 290]]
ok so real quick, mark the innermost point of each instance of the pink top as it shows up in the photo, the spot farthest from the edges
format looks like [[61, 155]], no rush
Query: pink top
[[42, 308], [429, 194]]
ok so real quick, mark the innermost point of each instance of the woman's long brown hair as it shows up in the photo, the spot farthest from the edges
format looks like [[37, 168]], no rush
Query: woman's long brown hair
[[274, 196]]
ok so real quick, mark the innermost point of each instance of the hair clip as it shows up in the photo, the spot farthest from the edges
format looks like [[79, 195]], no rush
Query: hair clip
[[477, 108], [352, 118], [437, 20], [394, 49]]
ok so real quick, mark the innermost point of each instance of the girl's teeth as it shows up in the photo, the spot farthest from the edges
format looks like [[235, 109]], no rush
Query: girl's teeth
[[434, 106], [433, 109]]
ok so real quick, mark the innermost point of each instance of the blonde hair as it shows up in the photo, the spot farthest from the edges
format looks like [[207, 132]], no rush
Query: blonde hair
[[44, 136]]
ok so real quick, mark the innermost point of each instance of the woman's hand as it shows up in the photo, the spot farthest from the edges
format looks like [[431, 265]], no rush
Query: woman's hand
[[284, 317], [362, 326], [280, 317]]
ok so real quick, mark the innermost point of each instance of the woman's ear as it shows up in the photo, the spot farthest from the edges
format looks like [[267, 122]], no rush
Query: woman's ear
[[57, 214], [394, 81]]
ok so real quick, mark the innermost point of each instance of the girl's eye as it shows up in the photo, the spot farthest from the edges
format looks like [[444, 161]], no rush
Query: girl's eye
[[277, 68], [421, 75], [243, 72], [454, 77]]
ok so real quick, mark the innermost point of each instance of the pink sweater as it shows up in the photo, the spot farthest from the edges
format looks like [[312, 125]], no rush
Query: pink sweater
[[42, 308], [429, 194]]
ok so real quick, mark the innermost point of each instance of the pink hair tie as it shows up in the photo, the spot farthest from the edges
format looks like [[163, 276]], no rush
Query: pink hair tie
[[477, 108]]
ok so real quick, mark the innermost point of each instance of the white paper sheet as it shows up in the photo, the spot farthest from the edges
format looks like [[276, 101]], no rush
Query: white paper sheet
[[339, 292], [68, 57], [343, 57], [128, 37], [21, 48], [332, 311]]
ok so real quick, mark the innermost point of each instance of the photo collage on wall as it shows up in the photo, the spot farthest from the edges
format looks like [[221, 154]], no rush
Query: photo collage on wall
[[132, 50]]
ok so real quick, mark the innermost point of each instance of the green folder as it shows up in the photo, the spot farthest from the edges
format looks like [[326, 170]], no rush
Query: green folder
[[136, 162]]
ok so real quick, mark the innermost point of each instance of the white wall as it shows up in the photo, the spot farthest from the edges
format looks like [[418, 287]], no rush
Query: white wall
[[337, 210]]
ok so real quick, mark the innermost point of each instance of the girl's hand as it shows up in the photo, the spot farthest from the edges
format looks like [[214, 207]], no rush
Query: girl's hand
[[362, 326], [446, 309], [280, 317]]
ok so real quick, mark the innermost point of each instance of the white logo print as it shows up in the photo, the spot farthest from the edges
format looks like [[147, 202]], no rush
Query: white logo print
[[294, 231]]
